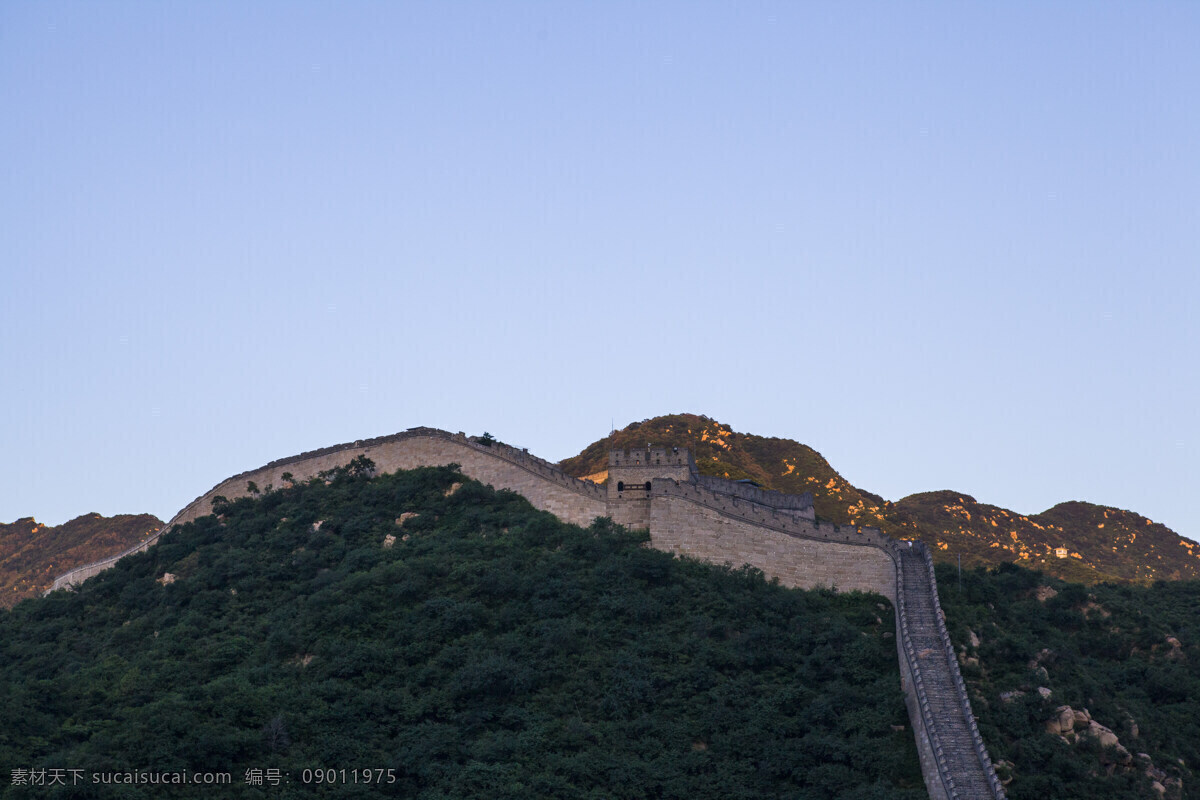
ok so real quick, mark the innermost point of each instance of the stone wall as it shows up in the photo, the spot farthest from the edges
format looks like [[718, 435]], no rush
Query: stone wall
[[803, 557], [752, 511], [916, 717], [544, 485], [713, 520], [629, 472], [800, 505]]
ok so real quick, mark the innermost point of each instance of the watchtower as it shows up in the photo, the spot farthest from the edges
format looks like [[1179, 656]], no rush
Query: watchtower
[[632, 473]]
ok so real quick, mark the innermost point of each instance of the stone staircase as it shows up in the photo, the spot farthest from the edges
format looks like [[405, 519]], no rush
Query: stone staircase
[[963, 766]]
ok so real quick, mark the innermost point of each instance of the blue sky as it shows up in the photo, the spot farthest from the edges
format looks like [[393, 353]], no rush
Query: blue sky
[[947, 245]]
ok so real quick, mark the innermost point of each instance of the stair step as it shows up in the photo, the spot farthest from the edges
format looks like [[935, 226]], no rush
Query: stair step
[[950, 721]]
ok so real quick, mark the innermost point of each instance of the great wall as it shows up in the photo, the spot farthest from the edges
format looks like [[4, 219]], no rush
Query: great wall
[[712, 519]]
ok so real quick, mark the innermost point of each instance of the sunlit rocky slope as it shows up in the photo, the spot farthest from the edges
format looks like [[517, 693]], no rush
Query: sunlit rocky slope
[[1100, 543], [33, 554]]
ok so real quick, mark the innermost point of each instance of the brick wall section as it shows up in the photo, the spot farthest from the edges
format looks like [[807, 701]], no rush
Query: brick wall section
[[504, 467], [799, 504], [630, 470], [776, 544]]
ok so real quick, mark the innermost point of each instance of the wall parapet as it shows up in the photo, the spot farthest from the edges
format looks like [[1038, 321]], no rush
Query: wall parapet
[[522, 458], [755, 494], [770, 517], [518, 458], [86, 571]]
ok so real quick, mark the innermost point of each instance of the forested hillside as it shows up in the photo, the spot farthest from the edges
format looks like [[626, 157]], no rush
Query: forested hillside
[[461, 643], [1086, 692]]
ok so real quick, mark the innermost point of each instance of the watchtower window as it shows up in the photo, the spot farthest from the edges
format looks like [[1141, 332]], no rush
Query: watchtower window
[[620, 486], [647, 486]]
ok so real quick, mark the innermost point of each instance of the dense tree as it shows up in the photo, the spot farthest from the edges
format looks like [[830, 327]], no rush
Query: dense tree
[[480, 649], [1129, 655]]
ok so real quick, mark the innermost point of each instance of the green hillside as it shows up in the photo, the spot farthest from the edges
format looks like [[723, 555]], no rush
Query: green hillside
[[1126, 658], [1102, 543], [461, 643]]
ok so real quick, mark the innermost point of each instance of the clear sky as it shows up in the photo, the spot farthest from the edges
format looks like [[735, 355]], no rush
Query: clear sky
[[949, 245]]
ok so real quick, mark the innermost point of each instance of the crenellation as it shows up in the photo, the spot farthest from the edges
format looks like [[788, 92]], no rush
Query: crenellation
[[650, 457], [797, 504]]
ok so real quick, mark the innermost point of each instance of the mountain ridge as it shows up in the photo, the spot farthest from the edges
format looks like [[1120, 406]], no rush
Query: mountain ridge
[[1102, 543], [32, 555], [1097, 543]]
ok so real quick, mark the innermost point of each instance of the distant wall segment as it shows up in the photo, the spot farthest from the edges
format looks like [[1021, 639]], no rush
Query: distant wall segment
[[499, 465], [543, 484]]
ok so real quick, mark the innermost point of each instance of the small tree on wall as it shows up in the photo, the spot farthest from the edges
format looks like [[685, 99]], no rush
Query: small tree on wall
[[361, 467]]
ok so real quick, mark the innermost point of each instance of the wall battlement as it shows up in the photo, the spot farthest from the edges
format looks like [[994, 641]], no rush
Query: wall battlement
[[651, 456], [713, 519], [797, 504], [752, 509], [631, 471]]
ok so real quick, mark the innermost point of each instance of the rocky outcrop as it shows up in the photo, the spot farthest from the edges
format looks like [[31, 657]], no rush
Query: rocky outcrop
[[1073, 725]]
